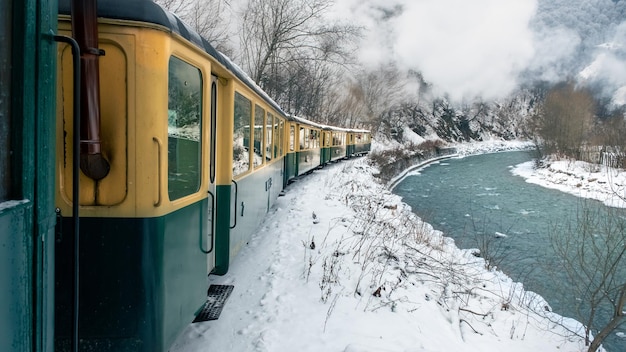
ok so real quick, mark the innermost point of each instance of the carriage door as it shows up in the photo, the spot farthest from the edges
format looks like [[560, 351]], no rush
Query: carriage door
[[211, 192]]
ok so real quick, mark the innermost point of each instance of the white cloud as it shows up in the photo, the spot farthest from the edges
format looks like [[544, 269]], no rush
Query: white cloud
[[480, 47], [555, 47], [609, 66], [467, 47], [464, 47]]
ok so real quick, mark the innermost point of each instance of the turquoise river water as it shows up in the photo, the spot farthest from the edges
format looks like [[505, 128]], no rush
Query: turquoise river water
[[478, 201]]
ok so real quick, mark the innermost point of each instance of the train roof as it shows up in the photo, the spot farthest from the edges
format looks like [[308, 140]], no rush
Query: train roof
[[326, 127], [150, 12]]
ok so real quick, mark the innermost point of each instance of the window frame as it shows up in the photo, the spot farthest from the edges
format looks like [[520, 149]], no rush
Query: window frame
[[258, 134], [242, 98], [173, 192]]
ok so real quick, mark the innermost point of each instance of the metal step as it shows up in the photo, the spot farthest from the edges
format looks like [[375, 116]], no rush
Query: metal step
[[216, 299]]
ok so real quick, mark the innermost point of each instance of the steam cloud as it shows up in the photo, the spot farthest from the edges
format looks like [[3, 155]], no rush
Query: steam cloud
[[488, 47]]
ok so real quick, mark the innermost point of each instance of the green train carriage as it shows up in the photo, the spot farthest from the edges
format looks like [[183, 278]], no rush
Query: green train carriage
[[358, 142], [309, 147], [338, 149], [172, 209], [146, 228], [256, 167], [362, 141]]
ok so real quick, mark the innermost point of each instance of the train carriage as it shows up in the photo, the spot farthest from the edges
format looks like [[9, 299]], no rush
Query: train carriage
[[362, 142], [304, 147], [172, 209], [357, 142], [258, 166], [338, 149], [147, 227]]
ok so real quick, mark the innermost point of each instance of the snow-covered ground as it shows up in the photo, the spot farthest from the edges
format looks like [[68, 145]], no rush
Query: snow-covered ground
[[341, 264]]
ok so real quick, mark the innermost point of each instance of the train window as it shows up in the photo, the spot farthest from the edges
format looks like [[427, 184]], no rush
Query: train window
[[281, 134], [277, 138], [184, 128], [213, 129], [304, 138], [269, 153], [307, 138], [259, 128], [292, 137], [241, 135], [5, 102], [313, 139]]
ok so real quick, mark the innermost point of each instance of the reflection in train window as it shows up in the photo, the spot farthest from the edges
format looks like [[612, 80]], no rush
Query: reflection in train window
[[259, 127], [241, 135], [184, 143], [269, 153]]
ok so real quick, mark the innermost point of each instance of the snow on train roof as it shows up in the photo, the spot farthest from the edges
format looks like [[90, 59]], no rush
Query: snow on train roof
[[151, 12], [325, 127]]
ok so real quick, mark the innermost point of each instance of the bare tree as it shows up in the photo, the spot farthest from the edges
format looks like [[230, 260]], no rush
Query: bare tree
[[352, 106], [303, 87], [207, 17], [565, 120], [376, 93], [176, 6], [277, 32], [593, 257]]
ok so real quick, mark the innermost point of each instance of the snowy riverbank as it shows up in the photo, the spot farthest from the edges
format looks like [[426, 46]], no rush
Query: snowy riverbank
[[579, 178], [341, 264]]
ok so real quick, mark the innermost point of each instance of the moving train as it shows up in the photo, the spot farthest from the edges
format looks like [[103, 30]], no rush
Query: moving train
[[119, 123]]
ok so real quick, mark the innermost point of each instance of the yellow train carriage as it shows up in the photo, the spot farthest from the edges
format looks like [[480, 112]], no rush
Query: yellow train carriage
[[358, 142], [149, 228], [362, 141], [257, 152], [338, 148], [305, 147]]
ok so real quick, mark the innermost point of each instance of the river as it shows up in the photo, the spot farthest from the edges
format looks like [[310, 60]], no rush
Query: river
[[478, 202]]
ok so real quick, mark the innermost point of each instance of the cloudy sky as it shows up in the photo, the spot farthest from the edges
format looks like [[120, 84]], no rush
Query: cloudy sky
[[486, 47]]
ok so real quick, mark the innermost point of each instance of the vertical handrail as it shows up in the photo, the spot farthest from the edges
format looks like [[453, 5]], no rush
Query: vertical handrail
[[212, 234], [235, 203], [75, 185], [159, 147]]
